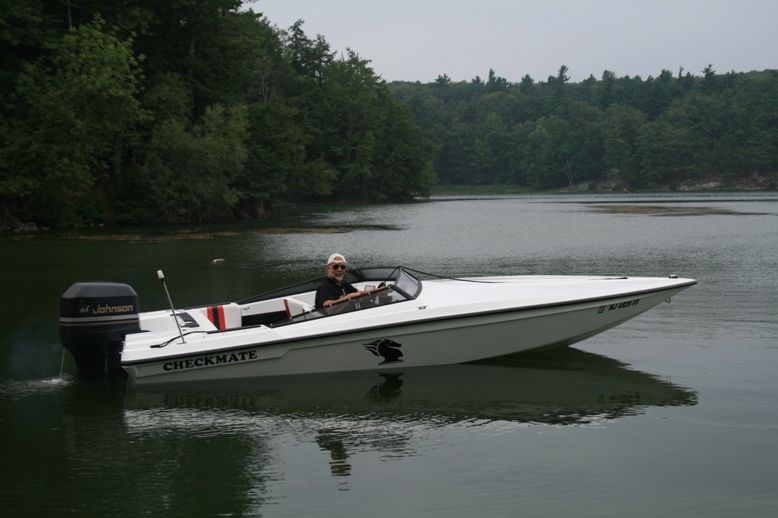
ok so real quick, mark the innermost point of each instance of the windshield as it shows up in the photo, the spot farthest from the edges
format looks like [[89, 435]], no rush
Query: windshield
[[397, 286], [409, 285]]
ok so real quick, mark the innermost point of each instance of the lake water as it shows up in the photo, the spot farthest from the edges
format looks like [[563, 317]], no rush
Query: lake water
[[672, 414]]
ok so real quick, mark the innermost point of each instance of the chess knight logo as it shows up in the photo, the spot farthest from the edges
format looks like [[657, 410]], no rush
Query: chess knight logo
[[387, 349]]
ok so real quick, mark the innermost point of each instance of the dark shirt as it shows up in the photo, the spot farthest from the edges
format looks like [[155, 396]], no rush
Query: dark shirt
[[328, 290]]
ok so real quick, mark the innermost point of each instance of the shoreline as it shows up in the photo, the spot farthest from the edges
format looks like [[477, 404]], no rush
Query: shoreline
[[757, 184]]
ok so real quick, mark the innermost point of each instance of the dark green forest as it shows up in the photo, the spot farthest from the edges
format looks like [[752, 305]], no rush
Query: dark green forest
[[181, 111], [623, 133]]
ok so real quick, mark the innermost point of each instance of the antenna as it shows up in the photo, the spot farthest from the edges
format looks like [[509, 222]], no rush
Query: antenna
[[162, 278]]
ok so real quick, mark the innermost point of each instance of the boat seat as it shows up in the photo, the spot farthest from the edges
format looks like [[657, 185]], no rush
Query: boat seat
[[225, 316], [296, 307]]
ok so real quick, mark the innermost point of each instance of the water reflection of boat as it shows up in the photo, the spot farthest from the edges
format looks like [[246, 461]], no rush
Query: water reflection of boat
[[562, 386], [221, 447], [249, 425]]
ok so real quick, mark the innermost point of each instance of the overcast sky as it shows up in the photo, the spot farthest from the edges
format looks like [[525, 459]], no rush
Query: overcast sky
[[414, 40]]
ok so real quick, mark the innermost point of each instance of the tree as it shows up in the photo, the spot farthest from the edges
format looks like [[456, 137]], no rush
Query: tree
[[277, 166], [545, 159], [562, 78], [487, 158], [349, 98], [527, 85], [621, 129], [197, 40], [367, 126], [191, 171], [608, 94], [710, 79], [495, 83], [583, 149], [443, 80], [75, 107], [403, 166], [24, 31], [309, 58], [661, 153]]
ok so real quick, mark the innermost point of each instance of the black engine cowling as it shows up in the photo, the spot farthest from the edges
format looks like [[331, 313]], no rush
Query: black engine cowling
[[94, 317]]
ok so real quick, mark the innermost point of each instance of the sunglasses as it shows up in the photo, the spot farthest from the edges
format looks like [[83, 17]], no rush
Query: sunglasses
[[338, 266]]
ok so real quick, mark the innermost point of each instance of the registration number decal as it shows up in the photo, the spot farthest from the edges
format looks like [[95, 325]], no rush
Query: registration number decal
[[620, 305]]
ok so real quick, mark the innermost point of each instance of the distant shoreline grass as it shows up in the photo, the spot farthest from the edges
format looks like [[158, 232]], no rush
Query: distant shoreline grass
[[742, 186], [483, 189]]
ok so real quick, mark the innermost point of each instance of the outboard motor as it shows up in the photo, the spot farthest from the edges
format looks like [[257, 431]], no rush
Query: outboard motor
[[94, 317]]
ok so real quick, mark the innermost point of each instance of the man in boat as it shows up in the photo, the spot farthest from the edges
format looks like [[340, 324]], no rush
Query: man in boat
[[334, 289]]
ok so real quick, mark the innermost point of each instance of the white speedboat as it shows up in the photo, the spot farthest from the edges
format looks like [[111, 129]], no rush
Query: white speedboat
[[405, 322]]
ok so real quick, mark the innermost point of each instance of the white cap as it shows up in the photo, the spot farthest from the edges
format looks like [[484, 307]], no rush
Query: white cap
[[336, 258]]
